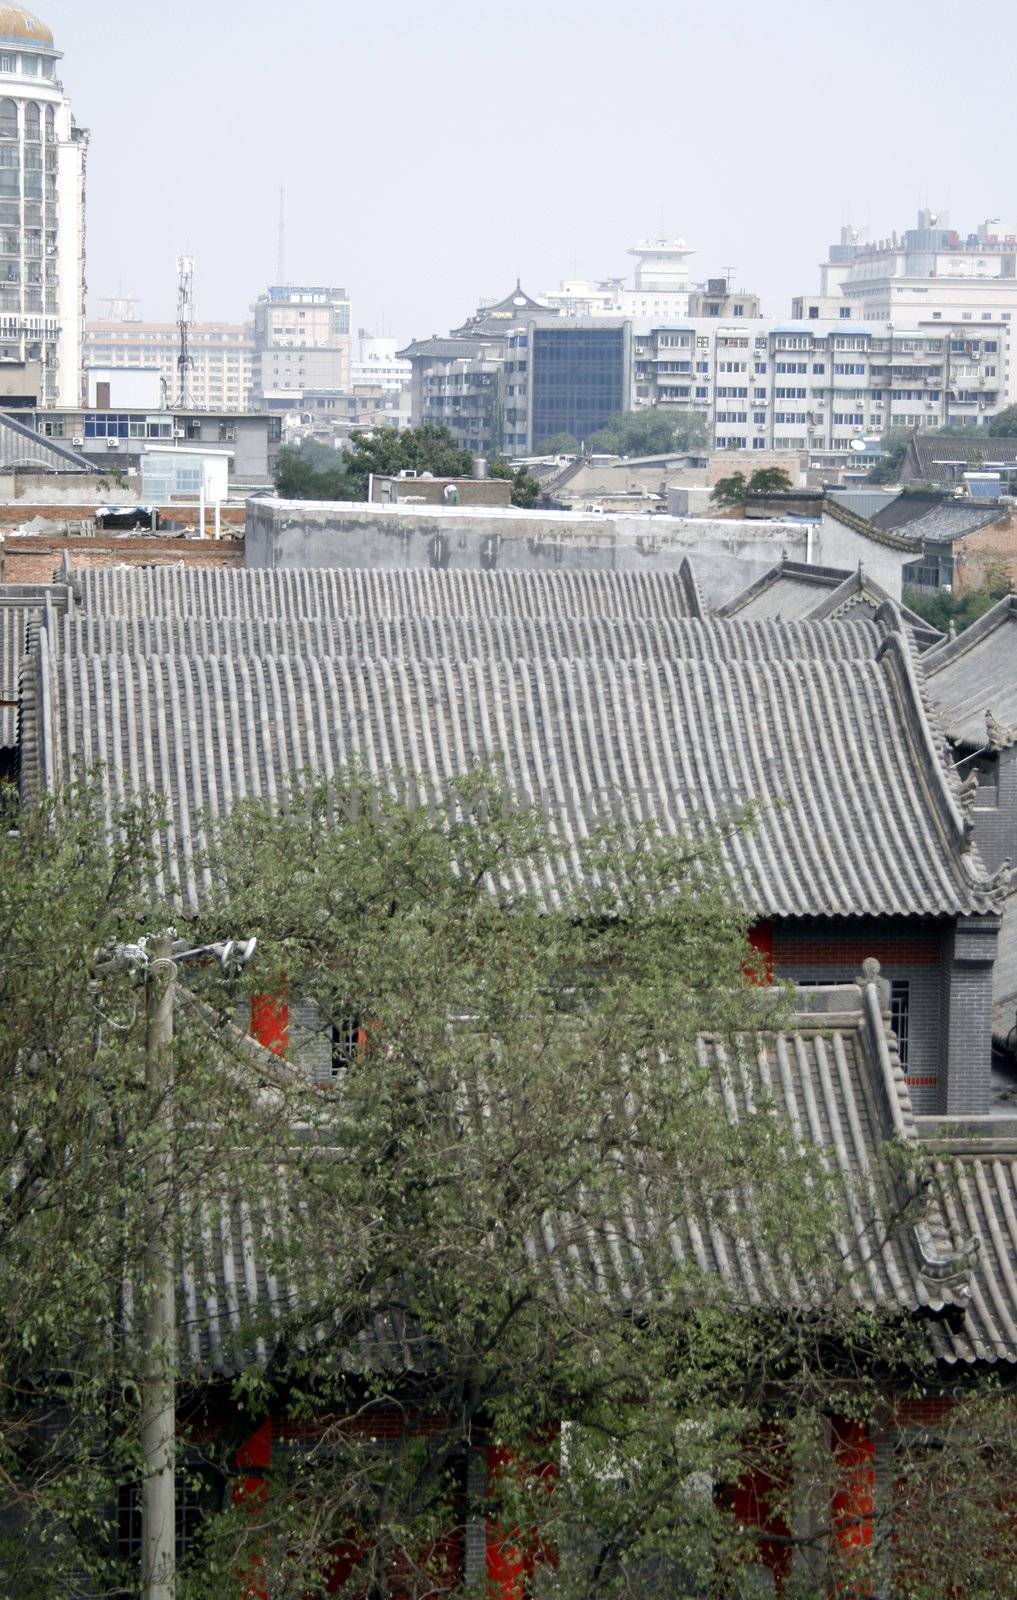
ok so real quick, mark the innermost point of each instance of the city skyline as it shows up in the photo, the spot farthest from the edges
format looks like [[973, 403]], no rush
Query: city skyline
[[387, 181]]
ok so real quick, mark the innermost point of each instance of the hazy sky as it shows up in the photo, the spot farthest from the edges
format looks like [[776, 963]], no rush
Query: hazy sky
[[431, 153]]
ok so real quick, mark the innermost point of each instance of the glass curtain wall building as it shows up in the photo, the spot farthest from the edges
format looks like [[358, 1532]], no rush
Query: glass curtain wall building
[[578, 378]]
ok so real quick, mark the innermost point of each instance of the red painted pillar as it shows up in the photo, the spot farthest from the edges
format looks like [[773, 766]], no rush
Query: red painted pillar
[[853, 1502], [761, 941], [756, 1500], [270, 1022], [512, 1556], [253, 1459]]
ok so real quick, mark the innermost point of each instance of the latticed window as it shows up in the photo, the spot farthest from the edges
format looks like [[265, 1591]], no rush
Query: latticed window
[[50, 124], [33, 122], [8, 119], [900, 1015]]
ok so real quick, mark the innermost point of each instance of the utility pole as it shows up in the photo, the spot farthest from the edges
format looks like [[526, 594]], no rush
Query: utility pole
[[157, 962], [159, 1325]]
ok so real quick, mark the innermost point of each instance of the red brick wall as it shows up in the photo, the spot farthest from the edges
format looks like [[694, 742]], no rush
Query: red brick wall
[[33, 560]]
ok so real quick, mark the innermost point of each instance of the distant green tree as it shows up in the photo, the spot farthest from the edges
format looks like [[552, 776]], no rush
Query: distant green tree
[[525, 487], [943, 608], [894, 444], [769, 480], [652, 432], [304, 474], [1004, 423], [731, 491], [559, 444], [736, 489]]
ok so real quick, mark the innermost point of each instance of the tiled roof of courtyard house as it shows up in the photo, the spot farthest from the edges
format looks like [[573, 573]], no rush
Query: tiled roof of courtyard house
[[20, 605], [974, 676], [380, 592], [858, 812], [799, 590], [834, 1077]]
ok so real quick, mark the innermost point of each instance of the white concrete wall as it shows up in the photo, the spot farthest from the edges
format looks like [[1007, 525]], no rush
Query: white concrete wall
[[726, 555]]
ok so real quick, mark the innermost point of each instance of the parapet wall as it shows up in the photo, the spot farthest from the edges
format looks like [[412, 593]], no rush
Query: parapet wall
[[727, 555]]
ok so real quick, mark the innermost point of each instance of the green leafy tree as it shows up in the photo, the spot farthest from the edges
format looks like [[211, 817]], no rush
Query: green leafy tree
[[731, 491], [769, 480], [525, 487], [894, 444], [1004, 423], [310, 472], [943, 608], [560, 444], [475, 1212], [650, 432], [303, 474]]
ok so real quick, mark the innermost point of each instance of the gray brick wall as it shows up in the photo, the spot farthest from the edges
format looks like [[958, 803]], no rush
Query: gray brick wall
[[996, 825], [833, 952]]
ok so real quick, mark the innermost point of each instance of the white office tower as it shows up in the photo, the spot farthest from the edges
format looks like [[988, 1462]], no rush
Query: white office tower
[[42, 212]]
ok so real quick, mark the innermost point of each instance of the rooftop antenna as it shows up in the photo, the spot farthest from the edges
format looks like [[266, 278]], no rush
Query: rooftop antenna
[[280, 260], [185, 319], [119, 307], [728, 275]]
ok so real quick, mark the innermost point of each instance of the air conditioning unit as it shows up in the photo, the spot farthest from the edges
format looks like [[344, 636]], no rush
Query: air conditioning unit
[[78, 440], [179, 433], [112, 444]]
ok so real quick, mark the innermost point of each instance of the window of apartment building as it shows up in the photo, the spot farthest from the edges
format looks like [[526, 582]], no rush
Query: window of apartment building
[[848, 369], [732, 416], [849, 344], [732, 393], [813, 313], [739, 310], [990, 345], [844, 312], [789, 418], [702, 393], [673, 341], [793, 341], [759, 444], [819, 369], [732, 366], [759, 394], [702, 366], [789, 394], [791, 366], [848, 419], [8, 63], [736, 442]]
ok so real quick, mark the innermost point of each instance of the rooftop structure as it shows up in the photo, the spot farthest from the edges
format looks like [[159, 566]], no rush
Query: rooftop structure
[[798, 591]]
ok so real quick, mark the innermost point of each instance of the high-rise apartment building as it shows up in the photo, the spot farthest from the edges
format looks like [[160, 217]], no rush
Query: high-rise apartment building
[[222, 377], [302, 342], [42, 211], [928, 276]]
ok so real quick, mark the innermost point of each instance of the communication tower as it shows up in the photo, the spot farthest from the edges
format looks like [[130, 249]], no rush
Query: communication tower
[[185, 319]]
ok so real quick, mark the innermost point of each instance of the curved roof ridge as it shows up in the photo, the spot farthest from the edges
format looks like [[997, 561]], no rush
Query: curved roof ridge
[[897, 655], [860, 524], [997, 616]]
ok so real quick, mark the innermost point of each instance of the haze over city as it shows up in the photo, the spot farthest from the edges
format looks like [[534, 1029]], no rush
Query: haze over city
[[431, 155]]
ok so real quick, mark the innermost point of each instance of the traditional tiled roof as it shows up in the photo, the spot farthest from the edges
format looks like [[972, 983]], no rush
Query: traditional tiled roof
[[977, 1183], [952, 520], [833, 1078], [858, 813], [20, 605], [507, 638], [410, 591], [934, 459], [975, 675], [795, 589]]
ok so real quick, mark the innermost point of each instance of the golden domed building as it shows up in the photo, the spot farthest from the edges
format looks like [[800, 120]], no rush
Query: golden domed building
[[42, 216]]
